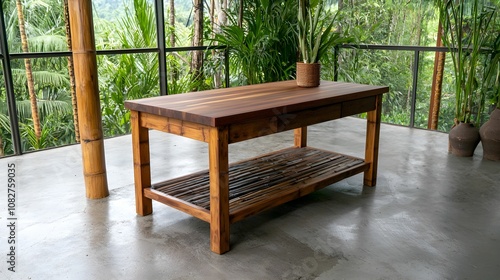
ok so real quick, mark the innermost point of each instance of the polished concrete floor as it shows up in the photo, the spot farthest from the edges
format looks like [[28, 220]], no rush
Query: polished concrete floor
[[431, 216]]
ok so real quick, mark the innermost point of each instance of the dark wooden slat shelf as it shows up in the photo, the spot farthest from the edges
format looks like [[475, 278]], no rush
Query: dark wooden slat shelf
[[260, 183]]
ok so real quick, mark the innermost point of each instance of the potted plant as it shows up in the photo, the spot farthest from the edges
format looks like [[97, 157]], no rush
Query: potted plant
[[316, 35], [490, 131], [465, 30]]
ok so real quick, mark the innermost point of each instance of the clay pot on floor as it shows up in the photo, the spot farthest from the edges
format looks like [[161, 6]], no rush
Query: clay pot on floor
[[490, 136], [463, 139], [308, 74]]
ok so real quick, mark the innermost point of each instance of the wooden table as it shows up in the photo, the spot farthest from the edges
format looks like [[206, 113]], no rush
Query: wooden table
[[227, 193]]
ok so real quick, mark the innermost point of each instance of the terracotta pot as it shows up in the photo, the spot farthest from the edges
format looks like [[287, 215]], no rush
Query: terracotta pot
[[463, 139], [308, 74], [490, 136]]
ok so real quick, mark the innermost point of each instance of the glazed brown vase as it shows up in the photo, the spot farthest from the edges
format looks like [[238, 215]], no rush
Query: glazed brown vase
[[463, 139], [308, 74], [490, 136]]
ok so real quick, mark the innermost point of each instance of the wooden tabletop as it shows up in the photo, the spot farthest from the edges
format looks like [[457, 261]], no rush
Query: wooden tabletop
[[220, 107]]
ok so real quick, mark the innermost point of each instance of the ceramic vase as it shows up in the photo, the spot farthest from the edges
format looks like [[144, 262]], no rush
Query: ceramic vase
[[490, 136], [463, 139]]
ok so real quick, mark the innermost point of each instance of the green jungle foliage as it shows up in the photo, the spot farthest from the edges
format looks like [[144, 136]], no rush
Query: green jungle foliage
[[262, 49], [45, 33], [397, 22]]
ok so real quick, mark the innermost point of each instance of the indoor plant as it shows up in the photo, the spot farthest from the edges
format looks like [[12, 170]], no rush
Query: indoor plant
[[465, 30], [316, 35]]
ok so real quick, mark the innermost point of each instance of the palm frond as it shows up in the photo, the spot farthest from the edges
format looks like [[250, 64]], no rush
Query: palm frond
[[4, 123], [138, 25], [31, 142], [52, 107], [54, 79], [42, 78], [48, 43], [45, 108]]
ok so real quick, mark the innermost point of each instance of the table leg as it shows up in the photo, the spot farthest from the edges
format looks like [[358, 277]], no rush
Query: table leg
[[300, 137], [372, 142], [142, 169], [219, 190]]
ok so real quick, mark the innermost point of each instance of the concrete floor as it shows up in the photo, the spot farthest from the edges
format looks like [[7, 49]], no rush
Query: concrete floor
[[431, 216]]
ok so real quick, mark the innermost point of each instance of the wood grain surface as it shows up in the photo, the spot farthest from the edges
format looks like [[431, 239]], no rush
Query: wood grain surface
[[227, 106]]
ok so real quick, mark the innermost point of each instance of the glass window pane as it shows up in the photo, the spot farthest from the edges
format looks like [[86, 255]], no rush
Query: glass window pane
[[44, 25], [396, 22], [447, 108], [181, 80], [6, 147], [123, 25], [183, 23], [54, 124], [424, 91], [125, 77], [386, 68]]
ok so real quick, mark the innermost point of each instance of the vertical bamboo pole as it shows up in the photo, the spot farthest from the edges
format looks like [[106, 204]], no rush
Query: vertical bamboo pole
[[437, 83], [197, 56], [87, 94], [71, 72]]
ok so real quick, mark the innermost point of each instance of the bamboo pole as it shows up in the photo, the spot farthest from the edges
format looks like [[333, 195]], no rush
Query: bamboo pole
[[87, 93], [437, 83], [71, 72], [29, 73]]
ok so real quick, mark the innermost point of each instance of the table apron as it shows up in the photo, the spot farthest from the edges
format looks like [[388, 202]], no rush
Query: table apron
[[187, 129], [284, 121]]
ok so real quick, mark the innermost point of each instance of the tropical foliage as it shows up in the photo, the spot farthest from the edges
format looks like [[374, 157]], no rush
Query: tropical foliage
[[115, 72], [264, 47], [317, 33], [49, 91], [466, 28], [400, 23], [491, 83]]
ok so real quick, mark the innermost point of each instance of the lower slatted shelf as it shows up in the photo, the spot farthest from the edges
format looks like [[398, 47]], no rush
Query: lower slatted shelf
[[260, 183]]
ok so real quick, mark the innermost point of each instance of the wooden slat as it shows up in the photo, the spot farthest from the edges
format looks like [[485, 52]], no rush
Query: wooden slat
[[306, 188], [221, 107], [266, 181], [183, 128], [191, 209]]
